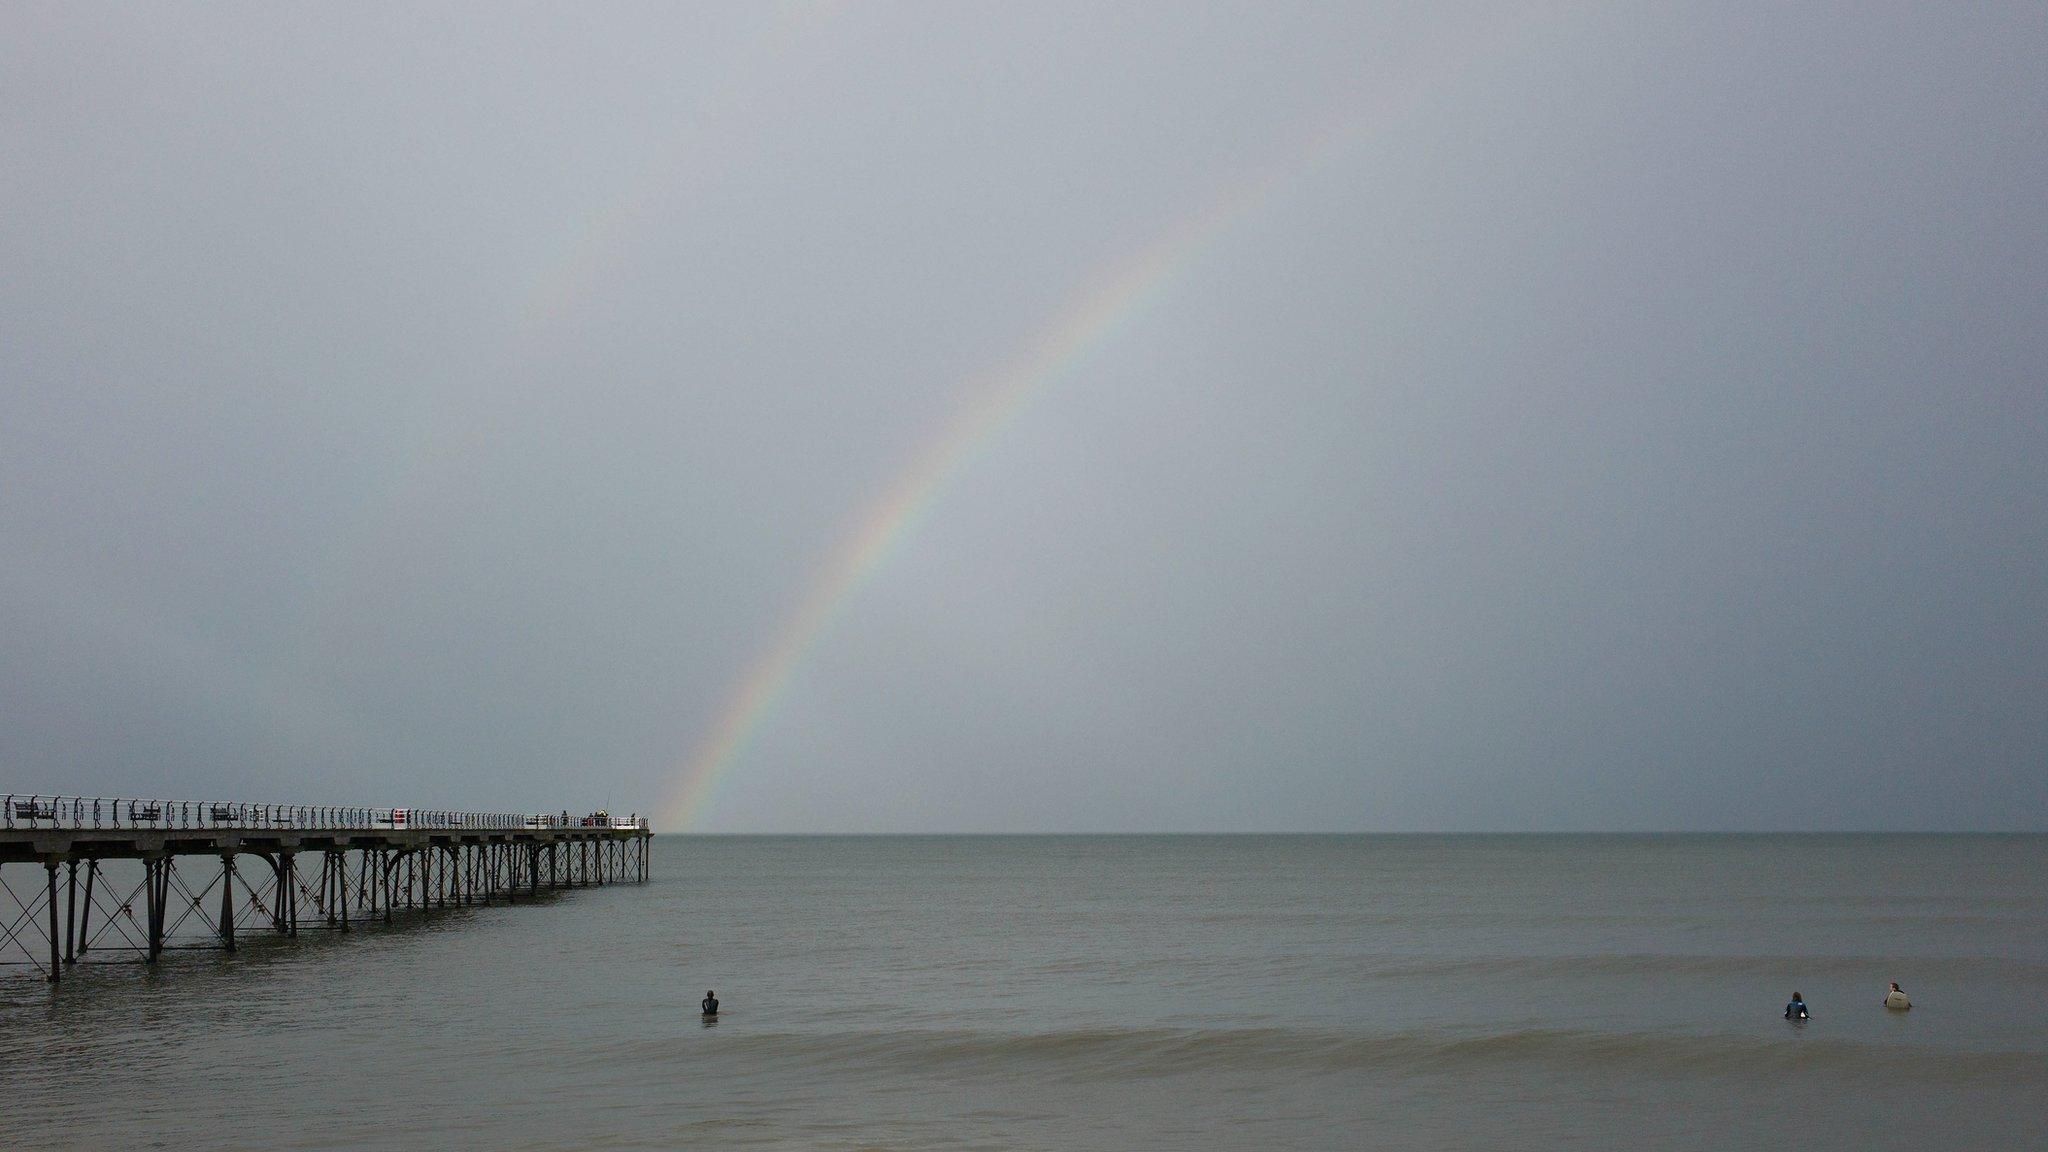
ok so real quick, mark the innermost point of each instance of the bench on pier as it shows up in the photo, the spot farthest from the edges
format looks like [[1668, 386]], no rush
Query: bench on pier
[[151, 813], [222, 814], [30, 810]]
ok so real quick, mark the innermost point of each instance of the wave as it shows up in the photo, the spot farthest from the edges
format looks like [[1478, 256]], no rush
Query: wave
[[1975, 969], [1139, 1053], [1179, 970]]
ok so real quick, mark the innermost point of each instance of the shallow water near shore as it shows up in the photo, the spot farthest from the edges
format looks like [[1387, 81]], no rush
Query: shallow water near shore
[[1105, 992]]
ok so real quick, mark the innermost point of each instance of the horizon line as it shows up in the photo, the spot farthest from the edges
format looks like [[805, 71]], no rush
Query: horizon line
[[1617, 832]]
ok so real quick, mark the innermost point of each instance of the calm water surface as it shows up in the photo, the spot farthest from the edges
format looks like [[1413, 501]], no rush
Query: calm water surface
[[1106, 992]]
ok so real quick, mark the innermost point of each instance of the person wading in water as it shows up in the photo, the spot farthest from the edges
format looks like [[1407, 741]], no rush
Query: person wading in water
[[710, 1004]]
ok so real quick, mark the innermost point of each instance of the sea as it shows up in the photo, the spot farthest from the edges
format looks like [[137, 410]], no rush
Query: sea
[[1104, 992]]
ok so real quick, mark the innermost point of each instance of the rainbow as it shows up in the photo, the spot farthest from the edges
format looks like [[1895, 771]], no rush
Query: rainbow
[[436, 426], [704, 141], [1091, 317]]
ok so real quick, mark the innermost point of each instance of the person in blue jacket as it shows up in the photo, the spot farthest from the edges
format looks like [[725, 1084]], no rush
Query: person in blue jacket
[[1796, 1010]]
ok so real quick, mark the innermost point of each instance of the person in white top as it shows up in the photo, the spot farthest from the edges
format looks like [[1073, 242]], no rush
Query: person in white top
[[1896, 998]]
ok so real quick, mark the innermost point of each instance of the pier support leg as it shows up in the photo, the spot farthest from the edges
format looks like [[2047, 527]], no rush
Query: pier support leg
[[153, 900], [92, 869], [341, 884], [227, 900], [163, 902], [50, 867], [149, 910], [290, 872], [71, 911], [277, 904]]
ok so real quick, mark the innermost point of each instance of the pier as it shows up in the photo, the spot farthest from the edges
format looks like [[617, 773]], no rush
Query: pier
[[106, 879]]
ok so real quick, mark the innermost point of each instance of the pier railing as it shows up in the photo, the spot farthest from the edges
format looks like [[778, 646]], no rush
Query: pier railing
[[77, 813]]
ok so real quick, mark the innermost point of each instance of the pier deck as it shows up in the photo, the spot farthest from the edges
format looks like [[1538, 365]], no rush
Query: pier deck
[[112, 886]]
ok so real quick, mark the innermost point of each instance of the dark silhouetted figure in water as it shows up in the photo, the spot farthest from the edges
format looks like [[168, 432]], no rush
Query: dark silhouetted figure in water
[[1796, 1010], [710, 1003]]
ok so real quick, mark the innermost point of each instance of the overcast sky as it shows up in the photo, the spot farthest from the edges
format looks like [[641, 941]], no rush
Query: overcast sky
[[1607, 416]]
